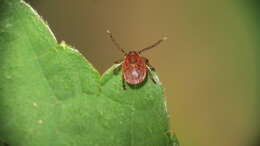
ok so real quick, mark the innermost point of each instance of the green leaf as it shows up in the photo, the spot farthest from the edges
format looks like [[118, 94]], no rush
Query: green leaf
[[50, 95]]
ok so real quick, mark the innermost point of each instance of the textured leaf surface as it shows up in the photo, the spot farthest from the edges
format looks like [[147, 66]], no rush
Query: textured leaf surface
[[52, 96]]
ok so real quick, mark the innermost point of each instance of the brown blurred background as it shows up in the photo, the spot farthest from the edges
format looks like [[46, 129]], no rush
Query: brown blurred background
[[207, 66]]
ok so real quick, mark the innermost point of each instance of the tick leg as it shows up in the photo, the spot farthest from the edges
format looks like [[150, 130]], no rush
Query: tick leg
[[151, 76], [123, 82], [148, 64], [115, 43], [118, 61], [153, 45], [117, 66], [116, 69]]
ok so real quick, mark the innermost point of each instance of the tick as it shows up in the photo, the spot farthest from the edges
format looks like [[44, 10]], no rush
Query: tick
[[134, 66]]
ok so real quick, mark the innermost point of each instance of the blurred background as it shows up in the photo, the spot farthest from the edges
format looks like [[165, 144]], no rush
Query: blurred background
[[208, 65]]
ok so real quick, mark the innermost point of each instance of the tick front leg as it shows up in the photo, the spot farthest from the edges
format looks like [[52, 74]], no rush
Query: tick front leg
[[116, 69], [117, 66], [148, 64], [123, 82], [118, 61], [151, 76]]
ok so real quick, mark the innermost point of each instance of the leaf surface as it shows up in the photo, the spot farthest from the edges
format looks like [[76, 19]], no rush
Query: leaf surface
[[50, 95]]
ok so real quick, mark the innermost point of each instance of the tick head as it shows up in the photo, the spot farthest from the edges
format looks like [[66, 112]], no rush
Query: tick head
[[132, 57]]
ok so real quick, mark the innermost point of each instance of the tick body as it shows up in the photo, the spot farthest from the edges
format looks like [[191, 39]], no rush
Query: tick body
[[134, 66]]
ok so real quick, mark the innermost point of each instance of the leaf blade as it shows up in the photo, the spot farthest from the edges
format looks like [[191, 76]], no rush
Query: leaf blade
[[51, 95]]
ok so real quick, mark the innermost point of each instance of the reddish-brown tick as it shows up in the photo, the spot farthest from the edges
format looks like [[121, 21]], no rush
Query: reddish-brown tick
[[134, 66]]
